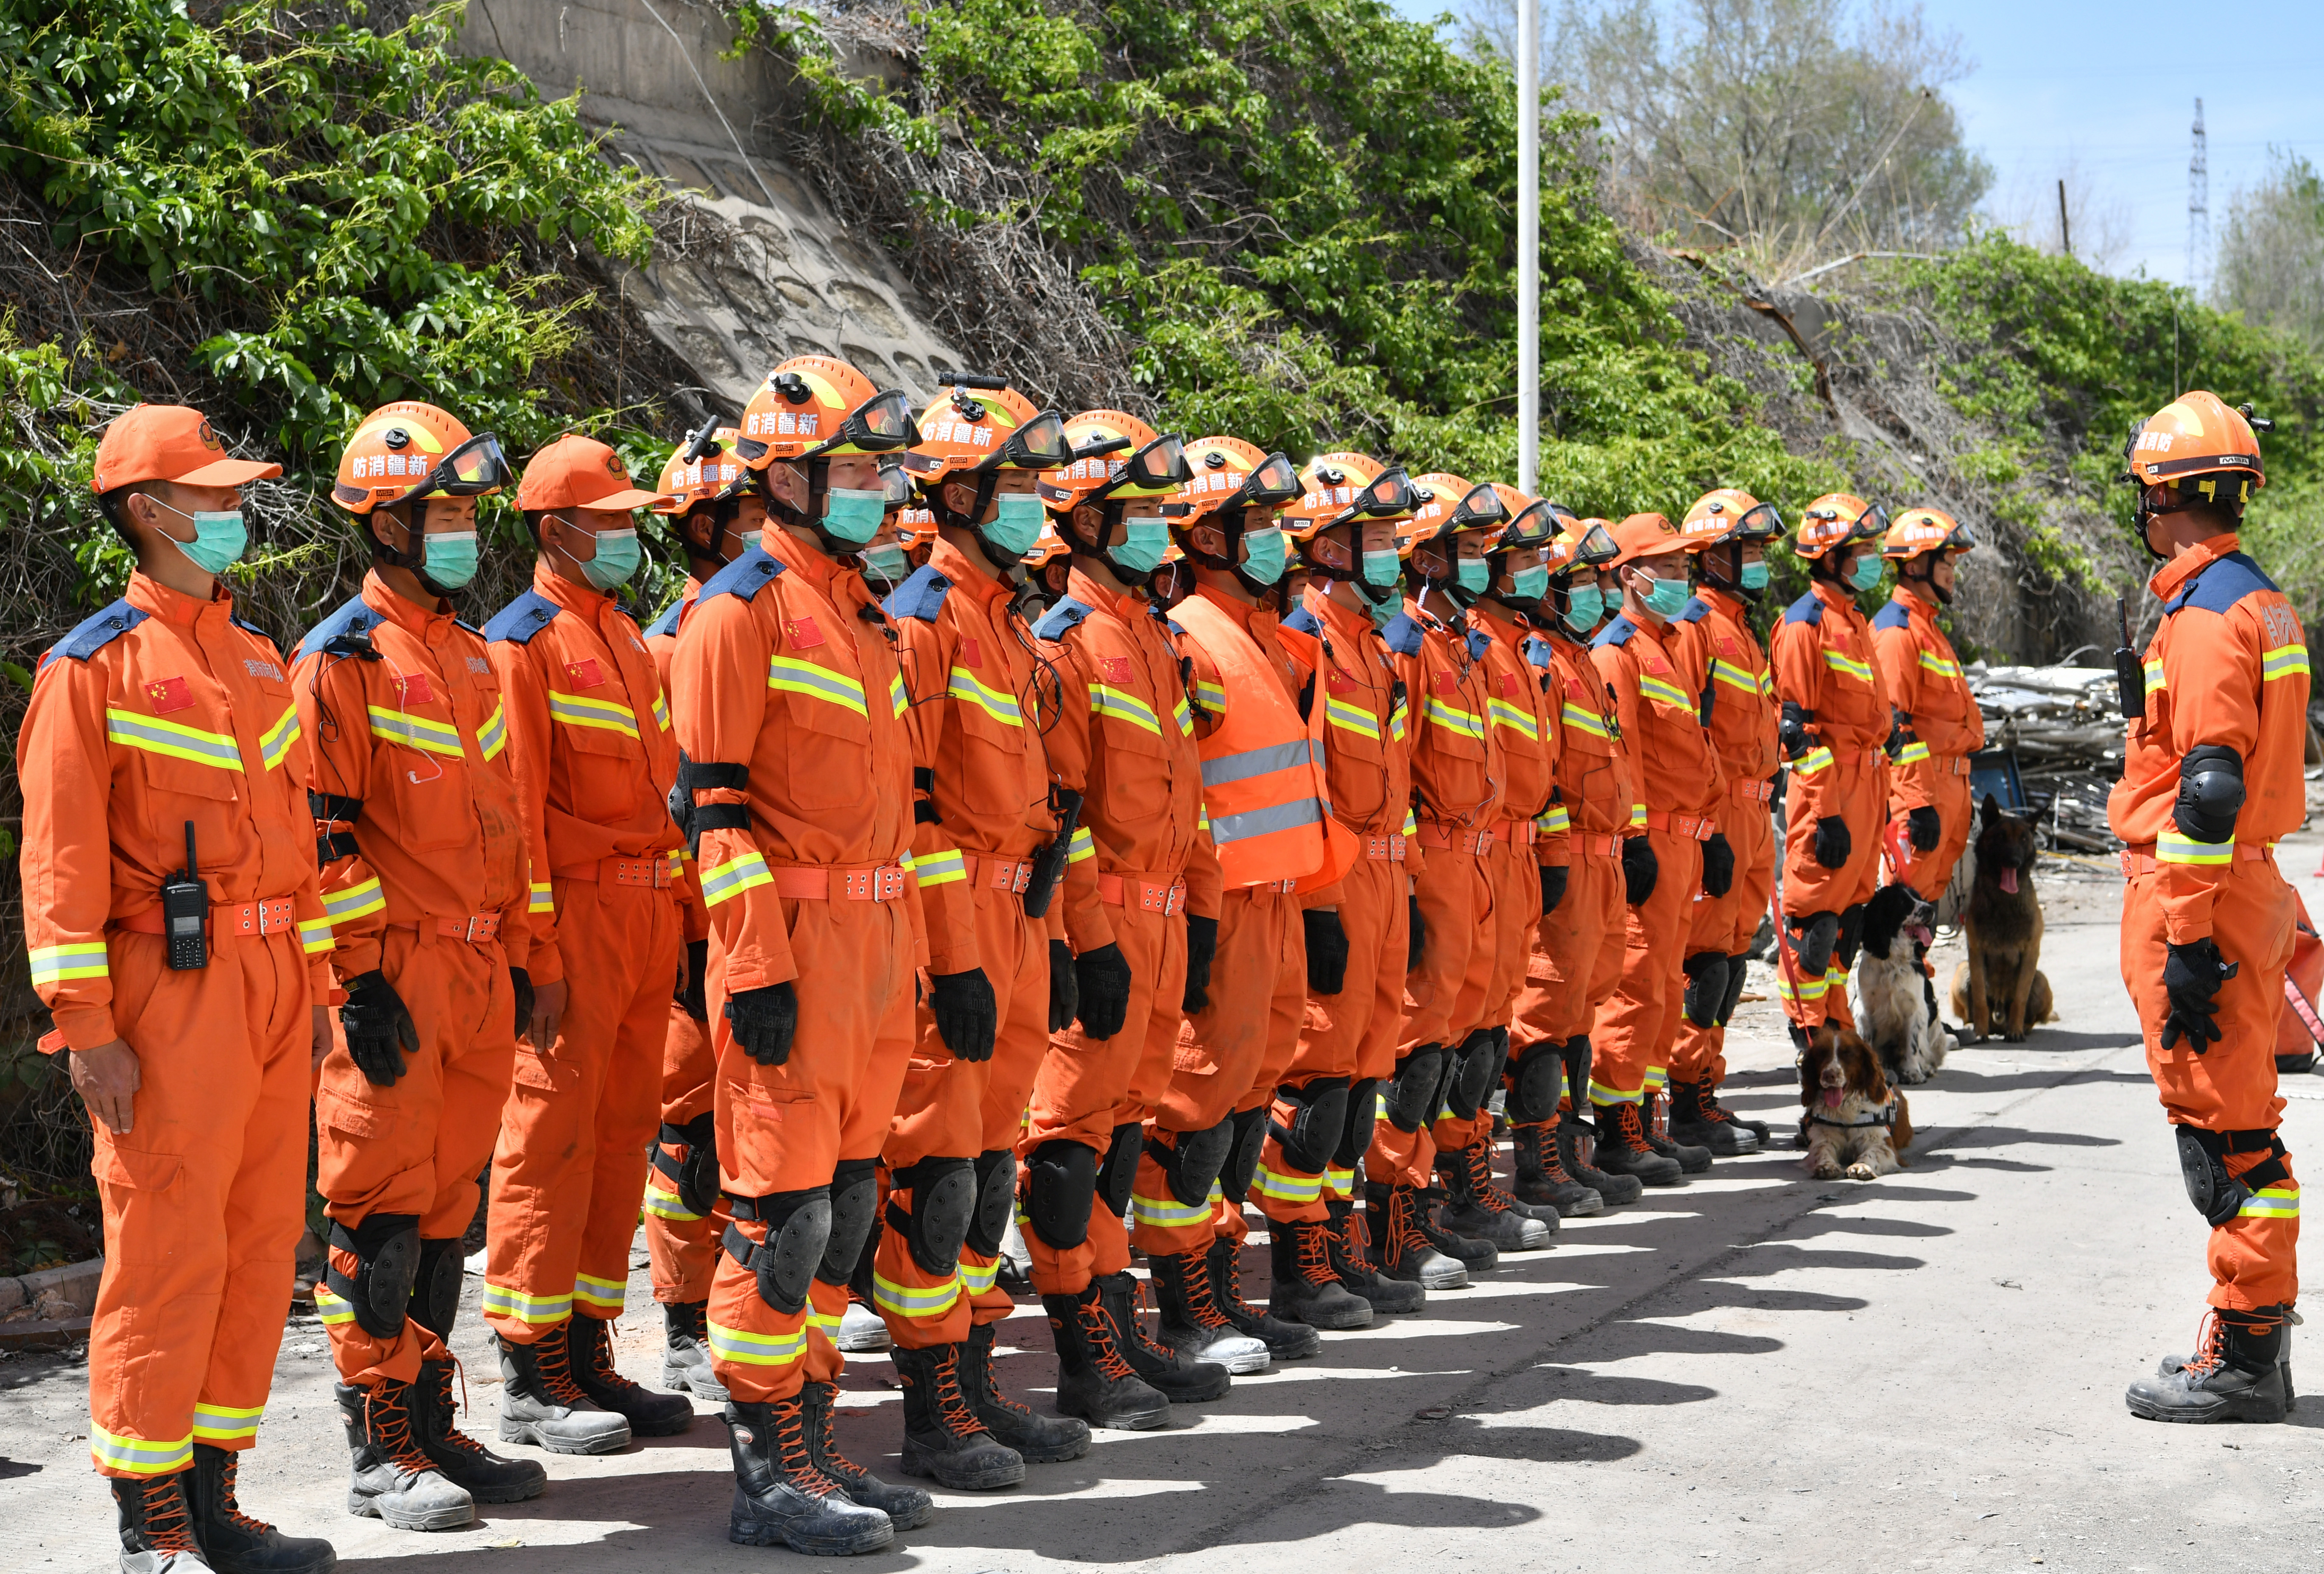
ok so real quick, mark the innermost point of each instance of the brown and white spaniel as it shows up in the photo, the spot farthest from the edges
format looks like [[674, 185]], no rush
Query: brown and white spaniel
[[1853, 1122]]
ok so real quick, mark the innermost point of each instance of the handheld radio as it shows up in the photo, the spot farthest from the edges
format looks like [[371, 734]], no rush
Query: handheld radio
[[186, 914], [1049, 863], [2129, 673]]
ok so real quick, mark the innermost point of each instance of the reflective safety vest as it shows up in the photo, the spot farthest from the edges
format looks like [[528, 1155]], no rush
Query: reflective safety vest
[[1263, 779]]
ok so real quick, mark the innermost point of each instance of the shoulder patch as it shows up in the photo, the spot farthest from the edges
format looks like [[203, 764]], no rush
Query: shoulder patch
[[1069, 612], [517, 623], [248, 626], [666, 625], [1177, 630], [1694, 612], [921, 596], [2223, 585], [1617, 633], [464, 623], [355, 616], [1892, 616], [1807, 610], [1479, 643], [96, 631], [748, 574], [1537, 650], [1304, 622], [1403, 635]]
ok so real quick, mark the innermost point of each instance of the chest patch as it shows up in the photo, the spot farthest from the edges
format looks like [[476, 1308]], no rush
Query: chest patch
[[1727, 647], [169, 694], [257, 668], [1445, 682], [1657, 665], [1116, 668], [415, 690], [479, 665], [1339, 683], [802, 632], [972, 653], [1574, 690], [586, 673], [1508, 683]]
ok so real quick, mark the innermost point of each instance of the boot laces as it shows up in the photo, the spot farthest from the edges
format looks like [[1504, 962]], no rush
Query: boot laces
[[1477, 1159], [953, 1411], [1312, 1242], [553, 1361], [792, 1456], [1351, 1246], [1137, 1328], [440, 1397], [1553, 1161], [168, 1525], [833, 1462], [1706, 1105], [988, 1385], [387, 1418], [601, 1355], [1194, 1273], [1404, 1231], [1631, 1131], [2210, 1346], [1226, 1286], [1097, 1332], [247, 1524]]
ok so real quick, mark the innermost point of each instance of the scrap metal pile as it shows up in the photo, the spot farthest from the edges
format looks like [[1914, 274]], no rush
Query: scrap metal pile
[[2065, 726]]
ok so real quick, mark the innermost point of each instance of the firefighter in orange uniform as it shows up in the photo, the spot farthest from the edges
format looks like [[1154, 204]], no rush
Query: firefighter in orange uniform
[[2210, 779], [1833, 728], [790, 704], [1938, 725], [162, 745], [421, 843], [1729, 530]]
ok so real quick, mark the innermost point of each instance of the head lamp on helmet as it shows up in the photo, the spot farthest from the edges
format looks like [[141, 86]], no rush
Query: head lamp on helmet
[[969, 438]]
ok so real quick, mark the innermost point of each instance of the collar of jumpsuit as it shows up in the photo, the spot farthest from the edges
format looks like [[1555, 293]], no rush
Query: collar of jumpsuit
[[175, 607], [1721, 602], [1335, 618], [1126, 605], [428, 625], [968, 576], [585, 602], [1838, 597], [2171, 578], [1256, 621]]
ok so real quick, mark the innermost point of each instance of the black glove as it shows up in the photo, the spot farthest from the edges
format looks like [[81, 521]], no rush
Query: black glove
[[1641, 870], [2191, 978], [376, 1023], [966, 1013], [1202, 949], [693, 988], [1065, 989], [520, 982], [1419, 939], [1553, 888], [1327, 951], [1718, 865], [1832, 842], [1925, 828], [1102, 985], [764, 1022]]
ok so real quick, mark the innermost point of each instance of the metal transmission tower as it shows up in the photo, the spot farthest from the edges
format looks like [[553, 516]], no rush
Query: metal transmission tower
[[2198, 209]]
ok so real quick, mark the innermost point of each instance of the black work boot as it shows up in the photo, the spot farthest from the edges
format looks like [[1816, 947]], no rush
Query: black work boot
[[1719, 1111], [1696, 1119], [392, 1479], [1475, 1254], [1039, 1439], [906, 1507], [1541, 1178], [1482, 1210], [1401, 1248], [1577, 1151], [1094, 1380], [686, 1366], [589, 1349], [2237, 1373], [464, 1461], [232, 1541], [780, 1499], [1351, 1261], [157, 1525], [942, 1437], [1284, 1341], [543, 1403], [1191, 1322], [1623, 1148], [1306, 1287], [1653, 1120], [1176, 1377]]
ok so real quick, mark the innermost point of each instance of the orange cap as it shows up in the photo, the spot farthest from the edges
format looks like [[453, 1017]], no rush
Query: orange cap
[[1646, 535], [169, 442], [579, 471]]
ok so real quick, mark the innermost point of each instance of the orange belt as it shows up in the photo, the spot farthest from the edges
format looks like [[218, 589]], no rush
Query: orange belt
[[1451, 839], [267, 916], [476, 930], [1280, 887], [651, 870], [1602, 846], [1002, 874], [1958, 766], [1517, 833], [1752, 792], [1386, 849], [1693, 827], [881, 883], [2140, 859], [1164, 896]]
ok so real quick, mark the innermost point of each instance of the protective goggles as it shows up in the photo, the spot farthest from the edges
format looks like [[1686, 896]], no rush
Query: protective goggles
[[1157, 470], [1873, 522], [1040, 444], [1479, 506], [1540, 524], [1272, 485], [896, 486], [1596, 549], [1765, 523], [474, 468], [1391, 495], [881, 424]]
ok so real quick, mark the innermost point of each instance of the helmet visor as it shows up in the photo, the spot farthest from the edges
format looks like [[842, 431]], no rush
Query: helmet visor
[[1274, 484], [1040, 444], [1596, 548], [881, 424], [1763, 523], [1390, 495], [1872, 525], [474, 468], [1480, 506], [1538, 526], [896, 484]]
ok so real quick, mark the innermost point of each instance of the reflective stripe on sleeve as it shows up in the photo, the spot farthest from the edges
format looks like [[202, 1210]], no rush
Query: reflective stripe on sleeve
[[598, 715], [732, 878], [1933, 662], [1354, 718], [1663, 693], [1734, 677], [1847, 666], [1584, 719], [792, 676], [492, 736], [661, 712], [1084, 845], [415, 732], [56, 964], [355, 901], [540, 898], [1516, 718], [1815, 759], [1912, 753], [2284, 661], [315, 936]]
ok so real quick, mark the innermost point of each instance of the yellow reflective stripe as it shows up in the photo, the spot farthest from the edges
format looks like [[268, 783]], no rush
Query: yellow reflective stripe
[[138, 1456], [1814, 760], [1290, 1188], [910, 1301], [1355, 719], [517, 1303], [1933, 662], [1516, 718], [1455, 718], [896, 701], [661, 711], [1168, 1212], [1600, 1093], [941, 869], [2272, 1203], [732, 878], [792, 676], [1340, 1182], [155, 736], [1734, 677], [612, 1293], [2171, 847], [329, 1310], [1767, 683], [1657, 1079], [274, 743], [220, 1423], [667, 1204], [1202, 816], [2282, 662], [315, 934], [1185, 720], [417, 731], [1084, 845], [1104, 701], [1668, 694], [355, 901], [1587, 719], [1912, 753], [53, 964], [1411, 824], [1555, 819], [757, 1350], [2153, 667], [1847, 666], [978, 1278], [599, 715], [493, 737], [967, 689], [823, 1322], [1212, 697], [540, 898], [1637, 816], [1396, 722]]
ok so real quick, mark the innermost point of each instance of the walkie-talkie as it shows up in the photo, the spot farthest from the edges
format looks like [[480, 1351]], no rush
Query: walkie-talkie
[[186, 913], [2129, 672], [1049, 863]]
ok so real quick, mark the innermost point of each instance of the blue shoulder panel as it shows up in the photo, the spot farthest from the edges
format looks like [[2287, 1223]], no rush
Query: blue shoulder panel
[[1304, 622], [354, 616], [1694, 612], [1891, 615], [1402, 634], [746, 576], [921, 596], [464, 623], [521, 619], [1479, 643], [96, 631], [1537, 650], [2223, 585], [1069, 611], [667, 622], [1617, 633], [1807, 610], [248, 626]]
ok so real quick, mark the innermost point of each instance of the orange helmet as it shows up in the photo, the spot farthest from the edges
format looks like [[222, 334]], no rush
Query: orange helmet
[[1114, 456], [1228, 472], [2200, 451], [982, 425], [1587, 543], [704, 468], [1729, 514], [407, 451], [1837, 518], [1337, 488], [1051, 545], [1449, 506], [812, 407], [1925, 529]]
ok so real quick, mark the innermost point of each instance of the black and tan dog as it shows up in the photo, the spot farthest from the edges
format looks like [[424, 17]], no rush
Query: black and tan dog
[[2000, 988]]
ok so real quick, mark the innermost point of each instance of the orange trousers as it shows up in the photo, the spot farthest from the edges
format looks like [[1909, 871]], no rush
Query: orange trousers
[[1727, 925], [1930, 872], [681, 1243], [1631, 1039], [784, 1129], [201, 1200], [1854, 788], [415, 1147], [1087, 1088], [2231, 1087], [1443, 997], [571, 1165], [1229, 1057], [955, 1108], [1514, 872], [1576, 960]]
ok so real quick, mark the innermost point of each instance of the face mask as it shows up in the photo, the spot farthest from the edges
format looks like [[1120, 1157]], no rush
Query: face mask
[[1528, 584], [1472, 574], [1141, 548], [1867, 572], [1584, 608], [1015, 528], [1754, 576], [1265, 553], [1384, 612], [219, 540], [885, 563], [450, 559], [1382, 569], [1667, 598], [853, 516], [616, 560]]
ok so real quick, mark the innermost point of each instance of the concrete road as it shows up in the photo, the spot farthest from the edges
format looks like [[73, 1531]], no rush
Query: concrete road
[[1920, 1372]]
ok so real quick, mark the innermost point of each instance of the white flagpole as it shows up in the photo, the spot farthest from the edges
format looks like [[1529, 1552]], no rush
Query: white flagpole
[[1528, 64]]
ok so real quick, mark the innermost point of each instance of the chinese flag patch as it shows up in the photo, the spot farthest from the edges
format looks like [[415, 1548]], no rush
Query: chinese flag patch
[[1727, 647], [1115, 668], [1339, 683], [1446, 682], [586, 673], [169, 694], [1508, 683], [971, 654], [415, 689], [1573, 688], [802, 633], [1656, 664]]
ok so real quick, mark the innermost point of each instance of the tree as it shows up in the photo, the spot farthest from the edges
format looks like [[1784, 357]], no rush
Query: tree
[[2271, 260]]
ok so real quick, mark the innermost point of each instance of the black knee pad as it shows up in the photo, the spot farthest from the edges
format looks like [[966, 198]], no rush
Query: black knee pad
[[1060, 1181], [943, 1198], [1812, 939], [1363, 1114], [1412, 1092], [695, 1177], [1849, 938], [854, 1202], [798, 1233], [2218, 1195], [1193, 1161], [1117, 1177], [1577, 1072], [1535, 1083], [1319, 1118], [1738, 970], [386, 1249], [1242, 1162], [1706, 986], [1470, 1080], [996, 1190], [436, 1287]]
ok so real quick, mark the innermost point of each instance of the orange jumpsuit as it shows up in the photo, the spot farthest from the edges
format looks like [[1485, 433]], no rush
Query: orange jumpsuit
[[982, 811], [1352, 1036], [1657, 680], [1923, 681], [787, 669], [681, 1243], [424, 879], [1822, 656], [159, 710], [589, 732], [1716, 626], [2228, 666], [1124, 739]]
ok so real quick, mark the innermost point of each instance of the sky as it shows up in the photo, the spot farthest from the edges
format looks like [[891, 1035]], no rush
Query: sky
[[2110, 90]]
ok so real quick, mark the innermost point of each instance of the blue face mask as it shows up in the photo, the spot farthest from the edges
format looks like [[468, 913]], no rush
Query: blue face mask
[[451, 558], [219, 539], [1528, 584], [885, 563], [1754, 576], [1867, 572], [1472, 574], [1584, 606], [1382, 569], [617, 558], [853, 516], [1667, 598], [1139, 550], [1016, 526], [1265, 552]]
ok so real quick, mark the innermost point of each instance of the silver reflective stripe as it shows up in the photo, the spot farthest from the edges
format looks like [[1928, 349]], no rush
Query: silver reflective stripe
[[1251, 762], [1225, 828]]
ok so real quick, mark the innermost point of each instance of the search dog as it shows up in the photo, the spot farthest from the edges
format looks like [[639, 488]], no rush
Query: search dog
[[2000, 989], [1895, 1001], [1852, 1121]]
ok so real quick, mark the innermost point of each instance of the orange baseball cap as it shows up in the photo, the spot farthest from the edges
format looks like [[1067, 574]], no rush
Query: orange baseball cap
[[169, 442], [579, 471], [1646, 535]]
